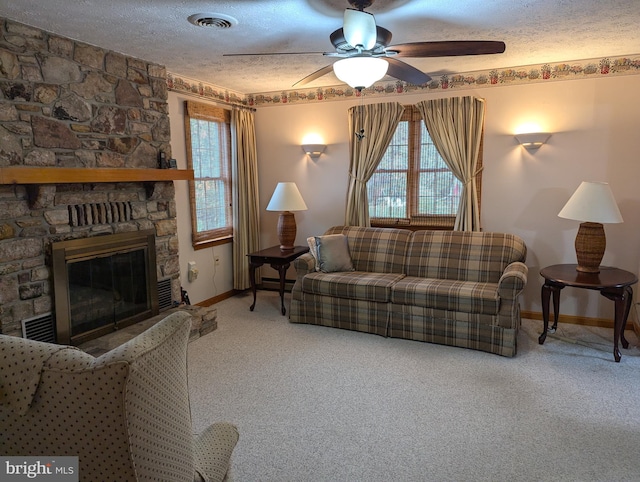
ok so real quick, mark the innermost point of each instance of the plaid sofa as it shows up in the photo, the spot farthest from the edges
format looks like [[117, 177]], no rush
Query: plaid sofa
[[447, 287]]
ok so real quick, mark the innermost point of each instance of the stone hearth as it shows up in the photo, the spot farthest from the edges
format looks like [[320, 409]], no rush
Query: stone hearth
[[204, 321]]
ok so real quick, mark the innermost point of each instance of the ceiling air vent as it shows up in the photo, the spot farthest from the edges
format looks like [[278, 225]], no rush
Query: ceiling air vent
[[212, 20]]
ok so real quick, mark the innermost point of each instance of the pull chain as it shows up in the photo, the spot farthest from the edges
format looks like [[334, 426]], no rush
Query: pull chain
[[360, 133]]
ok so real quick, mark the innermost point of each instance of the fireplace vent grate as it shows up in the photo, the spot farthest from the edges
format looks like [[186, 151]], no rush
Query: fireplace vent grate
[[164, 294], [99, 213], [39, 328]]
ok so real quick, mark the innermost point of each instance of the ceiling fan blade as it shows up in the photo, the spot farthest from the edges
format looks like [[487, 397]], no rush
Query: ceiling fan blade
[[359, 28], [447, 48], [406, 72], [315, 75]]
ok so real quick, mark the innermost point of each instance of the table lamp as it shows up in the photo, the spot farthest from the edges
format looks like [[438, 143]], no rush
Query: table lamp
[[592, 204], [286, 198]]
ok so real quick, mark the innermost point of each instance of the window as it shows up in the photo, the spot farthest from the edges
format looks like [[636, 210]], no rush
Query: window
[[208, 136], [412, 185]]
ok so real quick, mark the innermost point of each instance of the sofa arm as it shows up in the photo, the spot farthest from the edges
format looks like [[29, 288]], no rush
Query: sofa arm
[[513, 280], [304, 264]]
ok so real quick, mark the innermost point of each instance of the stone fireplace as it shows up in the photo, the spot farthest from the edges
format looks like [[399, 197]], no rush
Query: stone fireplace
[[68, 107]]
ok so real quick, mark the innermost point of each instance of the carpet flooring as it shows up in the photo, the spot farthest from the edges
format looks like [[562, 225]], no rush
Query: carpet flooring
[[320, 404]]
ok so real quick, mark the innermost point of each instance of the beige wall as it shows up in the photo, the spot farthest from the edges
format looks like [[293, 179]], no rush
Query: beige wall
[[595, 124], [212, 280]]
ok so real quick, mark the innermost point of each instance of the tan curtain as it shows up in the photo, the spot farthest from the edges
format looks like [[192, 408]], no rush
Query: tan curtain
[[371, 129], [246, 219], [455, 126]]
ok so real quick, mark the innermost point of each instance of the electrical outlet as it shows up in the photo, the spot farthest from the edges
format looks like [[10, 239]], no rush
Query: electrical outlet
[[216, 260], [192, 271]]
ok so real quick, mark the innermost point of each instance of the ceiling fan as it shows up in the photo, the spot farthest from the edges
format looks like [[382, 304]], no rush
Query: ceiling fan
[[362, 45]]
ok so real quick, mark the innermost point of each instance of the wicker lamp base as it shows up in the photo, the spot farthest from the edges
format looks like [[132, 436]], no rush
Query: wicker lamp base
[[590, 245], [286, 230]]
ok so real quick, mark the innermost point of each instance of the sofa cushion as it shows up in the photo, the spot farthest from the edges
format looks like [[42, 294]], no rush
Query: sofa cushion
[[450, 295], [464, 256], [331, 253], [358, 285], [376, 250]]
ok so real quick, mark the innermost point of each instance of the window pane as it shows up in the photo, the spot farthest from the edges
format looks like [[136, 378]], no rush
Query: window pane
[[438, 194], [412, 181], [211, 196], [387, 193], [438, 189], [397, 154], [205, 152], [210, 204], [429, 156], [387, 188]]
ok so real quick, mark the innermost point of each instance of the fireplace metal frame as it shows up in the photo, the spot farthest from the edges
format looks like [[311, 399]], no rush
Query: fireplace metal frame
[[86, 248]]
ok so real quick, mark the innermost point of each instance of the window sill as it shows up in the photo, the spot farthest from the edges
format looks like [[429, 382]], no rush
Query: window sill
[[411, 227], [210, 243]]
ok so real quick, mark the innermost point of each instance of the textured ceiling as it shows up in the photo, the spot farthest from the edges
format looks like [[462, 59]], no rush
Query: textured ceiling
[[535, 31]]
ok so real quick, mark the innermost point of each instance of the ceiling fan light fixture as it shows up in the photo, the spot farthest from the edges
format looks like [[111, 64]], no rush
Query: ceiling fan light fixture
[[360, 72]]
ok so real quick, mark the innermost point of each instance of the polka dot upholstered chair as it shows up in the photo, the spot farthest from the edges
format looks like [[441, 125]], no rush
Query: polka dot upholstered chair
[[125, 414]]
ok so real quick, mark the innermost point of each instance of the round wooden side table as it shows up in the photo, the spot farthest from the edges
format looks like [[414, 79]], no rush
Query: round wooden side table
[[613, 283]]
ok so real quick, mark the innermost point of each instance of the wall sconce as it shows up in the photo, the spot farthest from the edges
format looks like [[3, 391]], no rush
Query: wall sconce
[[532, 140], [313, 150]]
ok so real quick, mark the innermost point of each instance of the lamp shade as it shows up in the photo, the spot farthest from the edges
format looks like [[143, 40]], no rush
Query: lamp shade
[[360, 72], [592, 202], [286, 197]]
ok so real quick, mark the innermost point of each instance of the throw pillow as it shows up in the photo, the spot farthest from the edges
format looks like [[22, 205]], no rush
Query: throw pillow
[[313, 249], [333, 253]]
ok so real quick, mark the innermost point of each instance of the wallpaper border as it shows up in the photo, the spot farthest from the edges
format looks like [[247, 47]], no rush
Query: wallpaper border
[[579, 69]]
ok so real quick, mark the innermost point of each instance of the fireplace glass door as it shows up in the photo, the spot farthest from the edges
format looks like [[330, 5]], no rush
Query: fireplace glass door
[[106, 290], [103, 283]]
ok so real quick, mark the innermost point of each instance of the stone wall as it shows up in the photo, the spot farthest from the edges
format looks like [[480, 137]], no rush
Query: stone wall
[[68, 104]]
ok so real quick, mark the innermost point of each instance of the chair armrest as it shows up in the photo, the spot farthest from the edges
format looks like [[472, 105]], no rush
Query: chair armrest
[[213, 449], [513, 280]]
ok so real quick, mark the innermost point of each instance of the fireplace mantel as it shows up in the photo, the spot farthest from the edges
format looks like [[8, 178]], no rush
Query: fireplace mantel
[[64, 175], [35, 177]]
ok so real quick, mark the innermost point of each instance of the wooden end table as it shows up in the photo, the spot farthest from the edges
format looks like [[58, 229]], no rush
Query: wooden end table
[[278, 259], [613, 283]]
